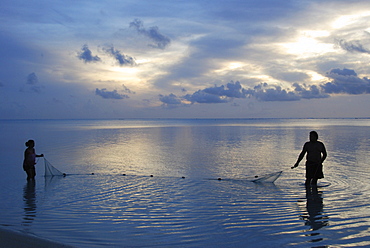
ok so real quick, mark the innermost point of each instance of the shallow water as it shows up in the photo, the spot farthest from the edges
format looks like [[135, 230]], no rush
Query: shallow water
[[108, 208]]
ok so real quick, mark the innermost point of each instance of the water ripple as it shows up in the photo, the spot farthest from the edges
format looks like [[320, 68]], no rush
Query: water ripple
[[136, 210]]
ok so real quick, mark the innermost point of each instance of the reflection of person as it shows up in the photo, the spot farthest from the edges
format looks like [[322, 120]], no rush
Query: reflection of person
[[29, 196], [316, 154], [315, 209], [30, 160]]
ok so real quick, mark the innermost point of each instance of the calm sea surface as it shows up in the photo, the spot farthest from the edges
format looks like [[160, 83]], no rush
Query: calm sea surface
[[153, 183]]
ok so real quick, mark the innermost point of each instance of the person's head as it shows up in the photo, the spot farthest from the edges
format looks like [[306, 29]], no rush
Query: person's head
[[30, 143], [314, 136]]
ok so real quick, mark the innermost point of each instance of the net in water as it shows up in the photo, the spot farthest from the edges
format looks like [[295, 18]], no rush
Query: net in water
[[50, 170], [268, 178]]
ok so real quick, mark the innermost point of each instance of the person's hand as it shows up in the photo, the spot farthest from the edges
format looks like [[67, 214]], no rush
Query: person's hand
[[296, 165], [41, 155]]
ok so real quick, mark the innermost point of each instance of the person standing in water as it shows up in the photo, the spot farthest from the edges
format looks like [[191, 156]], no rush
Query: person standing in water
[[316, 155], [30, 160]]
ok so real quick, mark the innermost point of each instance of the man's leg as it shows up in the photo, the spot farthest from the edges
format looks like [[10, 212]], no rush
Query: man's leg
[[314, 181], [308, 182]]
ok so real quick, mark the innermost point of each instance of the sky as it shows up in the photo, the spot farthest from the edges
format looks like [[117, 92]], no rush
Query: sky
[[184, 59]]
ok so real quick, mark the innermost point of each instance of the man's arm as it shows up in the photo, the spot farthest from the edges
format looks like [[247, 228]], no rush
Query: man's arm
[[300, 157], [324, 154]]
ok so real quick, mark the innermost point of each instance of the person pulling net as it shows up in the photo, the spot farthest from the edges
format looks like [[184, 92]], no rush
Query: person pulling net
[[51, 171]]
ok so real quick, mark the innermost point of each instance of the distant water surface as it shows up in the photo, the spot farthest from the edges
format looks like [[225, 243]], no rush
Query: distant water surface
[[153, 183]]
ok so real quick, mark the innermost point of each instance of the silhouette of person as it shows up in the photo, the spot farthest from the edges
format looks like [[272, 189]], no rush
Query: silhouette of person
[[30, 160], [316, 155]]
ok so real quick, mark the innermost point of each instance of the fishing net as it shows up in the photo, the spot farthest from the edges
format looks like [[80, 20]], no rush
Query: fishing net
[[268, 178], [50, 170]]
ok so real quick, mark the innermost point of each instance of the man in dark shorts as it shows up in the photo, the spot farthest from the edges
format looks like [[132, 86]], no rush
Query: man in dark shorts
[[316, 155]]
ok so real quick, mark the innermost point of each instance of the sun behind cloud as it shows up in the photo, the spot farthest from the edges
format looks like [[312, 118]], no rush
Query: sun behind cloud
[[307, 45]]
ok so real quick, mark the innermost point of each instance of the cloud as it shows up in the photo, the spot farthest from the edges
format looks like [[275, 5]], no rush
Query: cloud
[[160, 41], [234, 90], [32, 84], [231, 90], [87, 56], [121, 58], [248, 41], [266, 92], [353, 46], [217, 94], [343, 81], [104, 93], [170, 100], [114, 94], [202, 96], [32, 79], [341, 72], [346, 81], [309, 92], [127, 90]]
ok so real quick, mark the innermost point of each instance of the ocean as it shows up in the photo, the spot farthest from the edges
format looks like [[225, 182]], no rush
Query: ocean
[[155, 183]]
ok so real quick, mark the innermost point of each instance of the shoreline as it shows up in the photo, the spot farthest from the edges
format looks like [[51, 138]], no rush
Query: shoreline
[[15, 239]]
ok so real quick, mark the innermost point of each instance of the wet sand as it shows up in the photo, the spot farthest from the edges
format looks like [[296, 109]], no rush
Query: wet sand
[[13, 239]]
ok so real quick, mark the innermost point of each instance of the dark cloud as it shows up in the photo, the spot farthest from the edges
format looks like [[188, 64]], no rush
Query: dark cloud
[[121, 58], [343, 81], [114, 94], [341, 72], [233, 90], [353, 46], [309, 92], [266, 92], [32, 79], [32, 84], [346, 81], [160, 41], [201, 96], [127, 90], [110, 94], [87, 56], [170, 100], [217, 94]]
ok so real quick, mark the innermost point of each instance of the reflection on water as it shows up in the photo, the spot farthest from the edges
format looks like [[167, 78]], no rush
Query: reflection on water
[[313, 214], [108, 209], [29, 197]]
